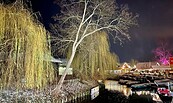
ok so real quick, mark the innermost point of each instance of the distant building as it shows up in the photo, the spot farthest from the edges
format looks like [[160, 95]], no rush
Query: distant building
[[125, 68], [60, 64], [115, 71], [146, 65]]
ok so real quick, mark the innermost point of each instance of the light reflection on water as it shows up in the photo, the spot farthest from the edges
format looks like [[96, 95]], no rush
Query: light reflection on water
[[114, 85]]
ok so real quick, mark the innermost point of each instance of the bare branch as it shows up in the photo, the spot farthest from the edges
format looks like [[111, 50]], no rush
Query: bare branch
[[77, 17], [92, 12]]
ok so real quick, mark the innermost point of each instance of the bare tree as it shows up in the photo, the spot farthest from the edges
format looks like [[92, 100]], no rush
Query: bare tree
[[81, 18], [162, 53]]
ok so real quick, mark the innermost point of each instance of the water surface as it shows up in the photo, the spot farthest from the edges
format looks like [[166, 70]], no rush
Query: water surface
[[146, 95]]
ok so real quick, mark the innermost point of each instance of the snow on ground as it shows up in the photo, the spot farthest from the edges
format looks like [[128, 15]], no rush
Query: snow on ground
[[70, 87]]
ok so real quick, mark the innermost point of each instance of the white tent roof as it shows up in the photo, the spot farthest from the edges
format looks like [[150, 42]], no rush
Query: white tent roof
[[55, 60], [48, 57]]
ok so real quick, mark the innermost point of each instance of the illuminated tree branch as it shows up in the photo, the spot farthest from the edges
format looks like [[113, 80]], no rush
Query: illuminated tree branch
[[162, 54]]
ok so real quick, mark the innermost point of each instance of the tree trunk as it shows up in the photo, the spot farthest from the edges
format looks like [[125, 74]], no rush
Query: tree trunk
[[58, 87]]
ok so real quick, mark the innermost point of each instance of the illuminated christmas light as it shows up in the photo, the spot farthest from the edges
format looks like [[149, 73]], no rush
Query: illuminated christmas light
[[162, 54]]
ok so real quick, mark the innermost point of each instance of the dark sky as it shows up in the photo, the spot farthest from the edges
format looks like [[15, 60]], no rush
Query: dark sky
[[155, 25]]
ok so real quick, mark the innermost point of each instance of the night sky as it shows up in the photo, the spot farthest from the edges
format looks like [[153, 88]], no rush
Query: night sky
[[155, 26]]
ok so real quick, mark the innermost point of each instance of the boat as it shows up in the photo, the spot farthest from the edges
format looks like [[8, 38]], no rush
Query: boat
[[130, 83], [122, 82], [162, 81], [140, 86], [163, 90], [164, 87]]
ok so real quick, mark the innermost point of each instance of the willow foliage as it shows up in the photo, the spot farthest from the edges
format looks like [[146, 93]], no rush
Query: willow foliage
[[23, 45], [94, 57]]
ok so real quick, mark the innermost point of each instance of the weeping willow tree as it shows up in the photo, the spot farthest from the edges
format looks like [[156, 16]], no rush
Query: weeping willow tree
[[23, 46], [94, 59]]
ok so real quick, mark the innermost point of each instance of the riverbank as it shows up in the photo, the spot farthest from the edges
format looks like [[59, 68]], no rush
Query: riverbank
[[71, 89]]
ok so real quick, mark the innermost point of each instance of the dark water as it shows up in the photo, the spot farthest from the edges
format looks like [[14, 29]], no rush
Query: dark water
[[116, 93]]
